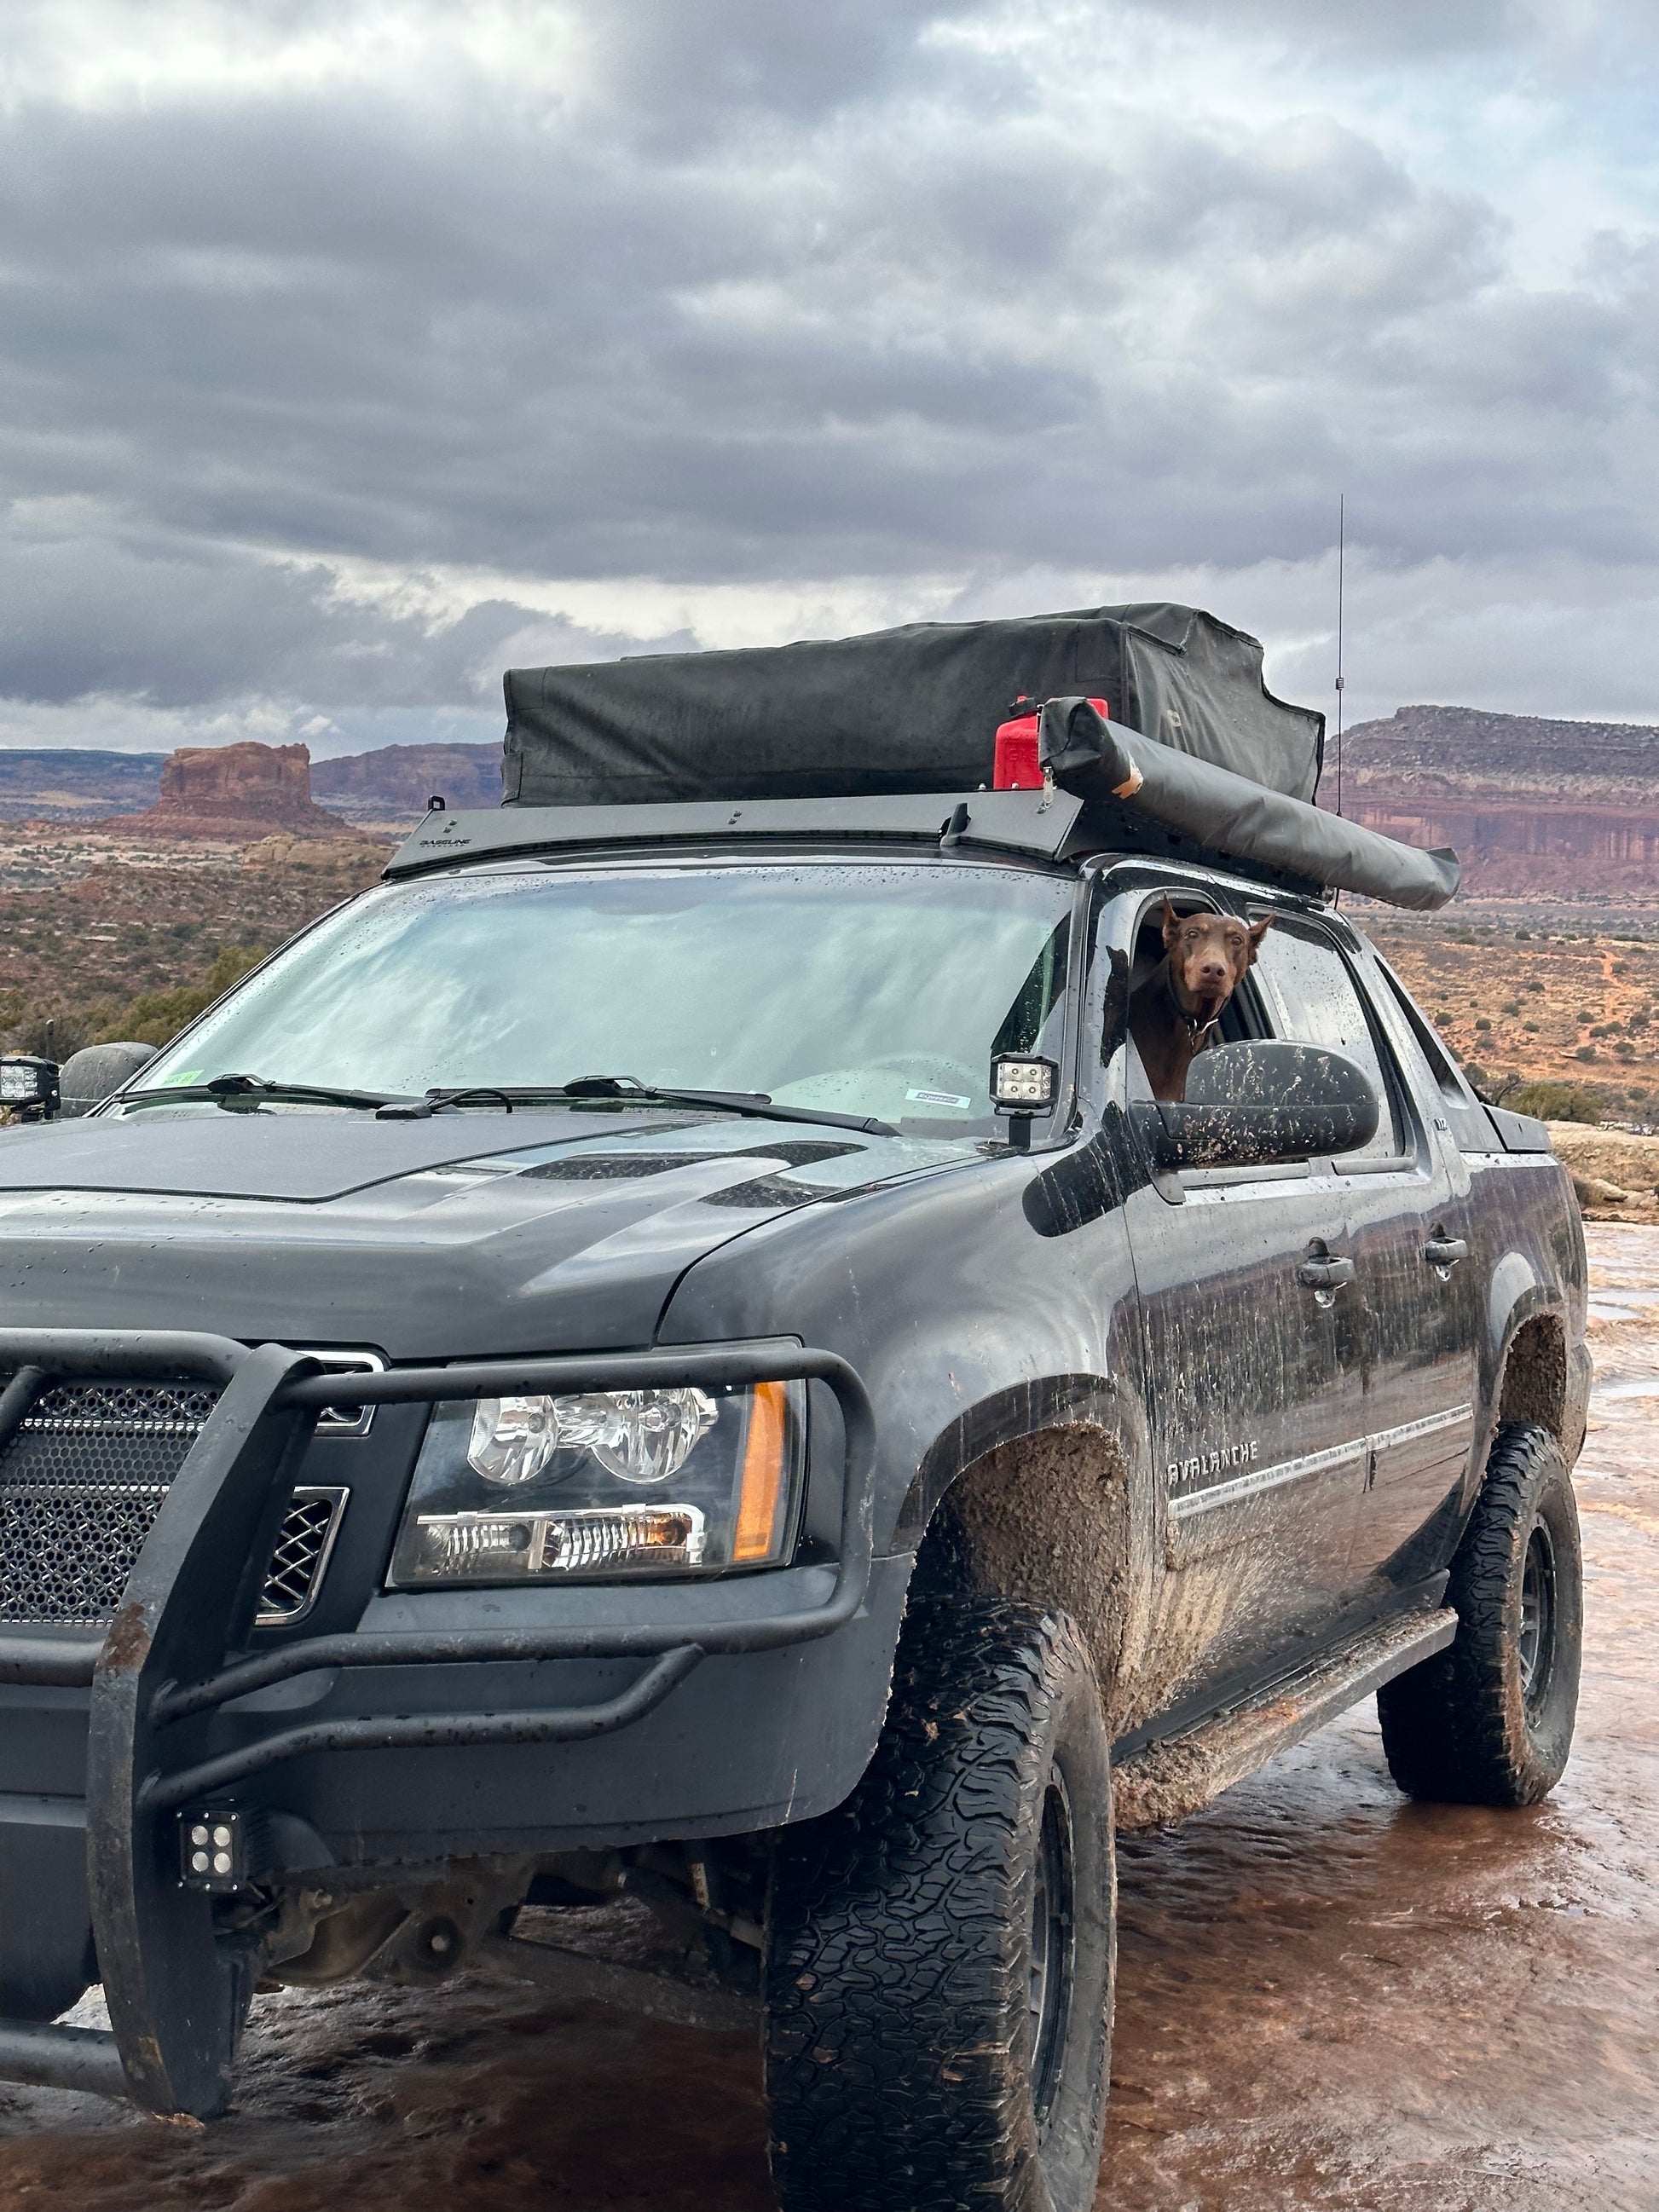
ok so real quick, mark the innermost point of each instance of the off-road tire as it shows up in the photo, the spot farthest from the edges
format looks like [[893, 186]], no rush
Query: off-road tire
[[1489, 1720], [899, 1966]]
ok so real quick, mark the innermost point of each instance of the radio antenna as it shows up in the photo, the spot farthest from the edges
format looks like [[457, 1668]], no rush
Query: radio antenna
[[1341, 581]]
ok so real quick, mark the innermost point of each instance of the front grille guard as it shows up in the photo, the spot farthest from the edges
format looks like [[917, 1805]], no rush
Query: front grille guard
[[176, 1995]]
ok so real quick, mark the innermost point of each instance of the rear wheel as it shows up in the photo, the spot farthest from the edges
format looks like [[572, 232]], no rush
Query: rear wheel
[[940, 1949], [1489, 1720]]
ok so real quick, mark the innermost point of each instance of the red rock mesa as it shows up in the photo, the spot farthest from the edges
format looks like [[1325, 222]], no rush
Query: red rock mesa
[[234, 792]]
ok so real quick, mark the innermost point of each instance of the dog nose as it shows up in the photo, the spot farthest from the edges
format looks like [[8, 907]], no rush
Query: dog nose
[[1214, 971]]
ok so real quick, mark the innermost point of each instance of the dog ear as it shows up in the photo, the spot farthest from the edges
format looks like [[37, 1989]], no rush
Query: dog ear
[[1258, 930], [1172, 923]]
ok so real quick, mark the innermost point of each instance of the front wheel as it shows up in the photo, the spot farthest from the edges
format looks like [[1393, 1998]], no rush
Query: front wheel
[[940, 1949], [1489, 1720]]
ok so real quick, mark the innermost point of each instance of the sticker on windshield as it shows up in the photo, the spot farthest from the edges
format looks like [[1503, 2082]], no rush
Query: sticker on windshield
[[183, 1075], [940, 1098]]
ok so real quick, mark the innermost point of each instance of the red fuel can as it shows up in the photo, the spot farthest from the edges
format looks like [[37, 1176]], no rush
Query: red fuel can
[[1016, 766]]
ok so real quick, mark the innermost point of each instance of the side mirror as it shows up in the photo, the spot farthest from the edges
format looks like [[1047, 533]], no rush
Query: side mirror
[[88, 1077], [1258, 1104]]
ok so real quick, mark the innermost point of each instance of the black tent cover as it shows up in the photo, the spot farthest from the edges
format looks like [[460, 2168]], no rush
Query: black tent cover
[[916, 709], [897, 710]]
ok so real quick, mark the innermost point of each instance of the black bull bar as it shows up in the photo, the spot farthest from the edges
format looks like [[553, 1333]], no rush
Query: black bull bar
[[176, 1993]]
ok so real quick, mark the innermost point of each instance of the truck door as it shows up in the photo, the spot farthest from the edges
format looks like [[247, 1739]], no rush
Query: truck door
[[1255, 1377], [1404, 1224]]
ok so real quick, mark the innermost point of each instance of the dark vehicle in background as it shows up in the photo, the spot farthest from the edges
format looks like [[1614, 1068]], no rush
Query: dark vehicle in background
[[668, 1350]]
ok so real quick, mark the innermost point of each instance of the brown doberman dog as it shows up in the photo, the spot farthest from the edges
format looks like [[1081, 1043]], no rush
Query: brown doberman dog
[[1173, 1016]]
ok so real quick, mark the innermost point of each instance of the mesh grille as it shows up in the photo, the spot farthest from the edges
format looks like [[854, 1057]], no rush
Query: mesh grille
[[65, 1552], [82, 1481], [302, 1546], [121, 1409]]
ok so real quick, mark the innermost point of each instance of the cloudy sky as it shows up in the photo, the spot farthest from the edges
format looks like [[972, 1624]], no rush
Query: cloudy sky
[[351, 350]]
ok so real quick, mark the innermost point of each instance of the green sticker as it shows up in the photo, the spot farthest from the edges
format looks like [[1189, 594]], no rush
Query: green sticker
[[183, 1075]]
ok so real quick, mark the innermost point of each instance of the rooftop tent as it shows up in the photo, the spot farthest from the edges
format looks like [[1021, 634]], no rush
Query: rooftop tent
[[898, 710]]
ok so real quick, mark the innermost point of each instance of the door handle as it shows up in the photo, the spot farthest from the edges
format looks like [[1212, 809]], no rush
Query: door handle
[[1329, 1274], [1445, 1252]]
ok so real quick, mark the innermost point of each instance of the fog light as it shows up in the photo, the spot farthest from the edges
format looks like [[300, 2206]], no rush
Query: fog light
[[1023, 1085], [29, 1086], [222, 1850]]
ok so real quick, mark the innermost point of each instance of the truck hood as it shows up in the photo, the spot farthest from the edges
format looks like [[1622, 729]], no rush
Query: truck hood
[[463, 1236]]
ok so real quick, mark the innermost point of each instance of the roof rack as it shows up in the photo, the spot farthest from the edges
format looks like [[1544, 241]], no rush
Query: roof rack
[[1048, 826], [1035, 822]]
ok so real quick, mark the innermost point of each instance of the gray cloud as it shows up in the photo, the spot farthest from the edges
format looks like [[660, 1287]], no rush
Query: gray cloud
[[1403, 30], [755, 297]]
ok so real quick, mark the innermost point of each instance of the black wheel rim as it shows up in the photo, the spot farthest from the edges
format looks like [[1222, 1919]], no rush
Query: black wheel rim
[[1053, 1917], [1536, 1642]]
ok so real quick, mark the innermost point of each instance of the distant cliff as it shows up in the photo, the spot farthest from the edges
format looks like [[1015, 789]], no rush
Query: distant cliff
[[1531, 806], [396, 781]]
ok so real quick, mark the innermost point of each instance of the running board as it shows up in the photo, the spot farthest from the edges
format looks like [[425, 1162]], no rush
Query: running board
[[1180, 1774]]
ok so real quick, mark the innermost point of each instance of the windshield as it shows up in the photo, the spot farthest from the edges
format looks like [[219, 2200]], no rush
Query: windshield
[[877, 989]]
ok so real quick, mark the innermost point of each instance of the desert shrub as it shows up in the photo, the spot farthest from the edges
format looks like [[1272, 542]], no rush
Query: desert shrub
[[1513, 1007], [1481, 1022], [1535, 985], [1531, 1028], [1587, 1051], [1555, 1101]]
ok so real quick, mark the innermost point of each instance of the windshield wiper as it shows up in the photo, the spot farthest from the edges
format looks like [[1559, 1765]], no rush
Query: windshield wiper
[[756, 1102], [236, 1092]]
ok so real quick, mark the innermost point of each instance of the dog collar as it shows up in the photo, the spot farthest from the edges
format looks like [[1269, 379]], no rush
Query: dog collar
[[1190, 1023]]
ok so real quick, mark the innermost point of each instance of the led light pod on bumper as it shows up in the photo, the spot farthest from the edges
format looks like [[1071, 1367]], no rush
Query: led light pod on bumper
[[605, 1485]]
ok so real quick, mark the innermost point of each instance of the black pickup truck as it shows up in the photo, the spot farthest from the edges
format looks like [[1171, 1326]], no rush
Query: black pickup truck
[[668, 1352], [671, 1349]]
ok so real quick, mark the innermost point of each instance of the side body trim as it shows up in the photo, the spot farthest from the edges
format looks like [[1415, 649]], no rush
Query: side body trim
[[1320, 1463]]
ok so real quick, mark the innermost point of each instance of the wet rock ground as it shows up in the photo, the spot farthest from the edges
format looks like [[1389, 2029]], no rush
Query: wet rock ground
[[1329, 1998]]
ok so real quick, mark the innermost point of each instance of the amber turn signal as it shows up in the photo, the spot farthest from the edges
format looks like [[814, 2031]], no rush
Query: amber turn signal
[[765, 1460]]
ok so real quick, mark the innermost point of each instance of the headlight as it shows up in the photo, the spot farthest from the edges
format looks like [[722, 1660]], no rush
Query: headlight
[[604, 1483]]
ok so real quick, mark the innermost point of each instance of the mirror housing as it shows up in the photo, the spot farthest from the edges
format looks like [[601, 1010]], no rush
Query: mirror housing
[[96, 1073], [1258, 1104]]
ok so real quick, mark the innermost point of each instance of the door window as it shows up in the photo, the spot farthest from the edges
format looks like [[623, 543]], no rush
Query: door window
[[1316, 1001]]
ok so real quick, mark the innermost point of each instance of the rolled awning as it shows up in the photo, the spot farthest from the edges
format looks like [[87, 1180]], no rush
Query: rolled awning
[[1096, 759]]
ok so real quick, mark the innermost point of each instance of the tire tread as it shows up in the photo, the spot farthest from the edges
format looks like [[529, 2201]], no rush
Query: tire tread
[[1454, 1729], [895, 1925]]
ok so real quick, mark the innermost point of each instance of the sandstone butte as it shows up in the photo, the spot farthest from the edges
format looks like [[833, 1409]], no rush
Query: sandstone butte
[[234, 793]]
